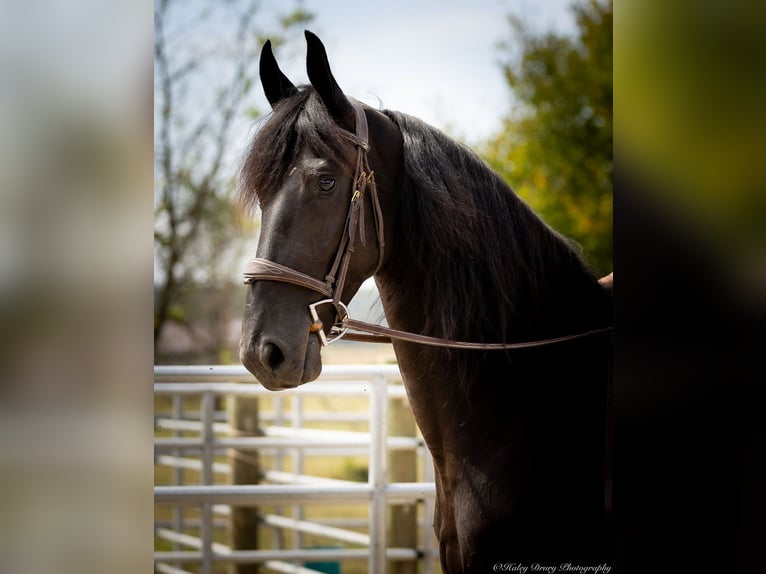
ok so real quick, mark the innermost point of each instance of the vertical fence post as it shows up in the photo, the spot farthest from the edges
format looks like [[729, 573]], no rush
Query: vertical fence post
[[178, 472], [378, 474], [297, 423], [207, 410], [403, 523], [279, 460], [245, 469], [429, 537]]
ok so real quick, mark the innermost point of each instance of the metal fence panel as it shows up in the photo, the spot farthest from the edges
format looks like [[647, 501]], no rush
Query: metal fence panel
[[178, 451]]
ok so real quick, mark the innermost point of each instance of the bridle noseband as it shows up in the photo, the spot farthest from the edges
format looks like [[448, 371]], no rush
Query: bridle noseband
[[259, 269]]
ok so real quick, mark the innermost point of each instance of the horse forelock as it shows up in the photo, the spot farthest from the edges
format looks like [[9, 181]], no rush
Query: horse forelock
[[297, 123]]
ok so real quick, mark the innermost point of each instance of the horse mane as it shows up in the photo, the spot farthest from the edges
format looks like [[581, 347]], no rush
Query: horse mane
[[485, 267], [297, 122]]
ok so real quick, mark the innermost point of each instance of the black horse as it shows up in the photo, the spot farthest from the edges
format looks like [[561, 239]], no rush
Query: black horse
[[518, 436]]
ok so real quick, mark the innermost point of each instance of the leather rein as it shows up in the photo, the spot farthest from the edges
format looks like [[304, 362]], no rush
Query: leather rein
[[259, 269]]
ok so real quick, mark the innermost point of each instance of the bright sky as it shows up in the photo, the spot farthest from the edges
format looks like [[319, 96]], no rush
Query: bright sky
[[438, 60], [434, 59]]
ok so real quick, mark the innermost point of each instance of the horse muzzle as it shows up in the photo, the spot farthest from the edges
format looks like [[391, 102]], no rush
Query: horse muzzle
[[279, 365], [277, 345]]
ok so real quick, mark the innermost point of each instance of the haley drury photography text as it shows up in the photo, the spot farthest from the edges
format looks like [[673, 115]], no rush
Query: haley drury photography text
[[523, 568]]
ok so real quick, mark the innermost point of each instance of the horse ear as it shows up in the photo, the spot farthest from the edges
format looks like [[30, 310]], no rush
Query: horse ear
[[275, 83], [324, 83]]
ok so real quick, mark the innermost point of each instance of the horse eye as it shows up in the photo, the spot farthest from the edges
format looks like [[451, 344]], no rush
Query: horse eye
[[326, 184]]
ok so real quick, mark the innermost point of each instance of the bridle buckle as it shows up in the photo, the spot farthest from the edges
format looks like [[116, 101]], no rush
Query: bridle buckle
[[339, 328]]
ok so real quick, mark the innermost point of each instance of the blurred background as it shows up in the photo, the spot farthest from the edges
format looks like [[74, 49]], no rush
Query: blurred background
[[81, 115], [528, 85]]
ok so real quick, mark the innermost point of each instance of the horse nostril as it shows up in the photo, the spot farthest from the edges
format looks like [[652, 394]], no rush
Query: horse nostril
[[272, 356]]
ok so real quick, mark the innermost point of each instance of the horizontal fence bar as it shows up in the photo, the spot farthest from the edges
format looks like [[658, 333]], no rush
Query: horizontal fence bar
[[190, 463], [346, 451], [238, 373], [194, 416], [188, 425], [320, 434], [287, 555], [317, 529], [318, 388], [279, 566], [258, 442], [168, 569], [223, 510], [192, 423], [257, 494], [399, 492], [189, 540], [362, 451], [195, 523]]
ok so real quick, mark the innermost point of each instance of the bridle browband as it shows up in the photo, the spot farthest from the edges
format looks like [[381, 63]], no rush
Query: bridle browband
[[259, 269]]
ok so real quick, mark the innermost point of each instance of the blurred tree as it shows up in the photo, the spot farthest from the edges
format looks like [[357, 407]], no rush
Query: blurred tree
[[555, 147], [205, 54]]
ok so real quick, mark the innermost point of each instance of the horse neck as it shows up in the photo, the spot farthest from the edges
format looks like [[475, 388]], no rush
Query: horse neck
[[469, 258], [459, 396], [568, 303]]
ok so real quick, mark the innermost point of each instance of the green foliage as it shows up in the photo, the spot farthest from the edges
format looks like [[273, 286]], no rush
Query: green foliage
[[297, 18], [555, 147], [355, 471]]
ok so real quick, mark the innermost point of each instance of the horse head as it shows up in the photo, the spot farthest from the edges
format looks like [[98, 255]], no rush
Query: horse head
[[305, 169]]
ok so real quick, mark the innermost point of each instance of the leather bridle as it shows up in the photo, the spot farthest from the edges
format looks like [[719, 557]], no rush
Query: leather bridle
[[259, 269]]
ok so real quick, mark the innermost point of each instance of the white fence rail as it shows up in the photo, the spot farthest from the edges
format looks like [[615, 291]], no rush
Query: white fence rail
[[373, 382]]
